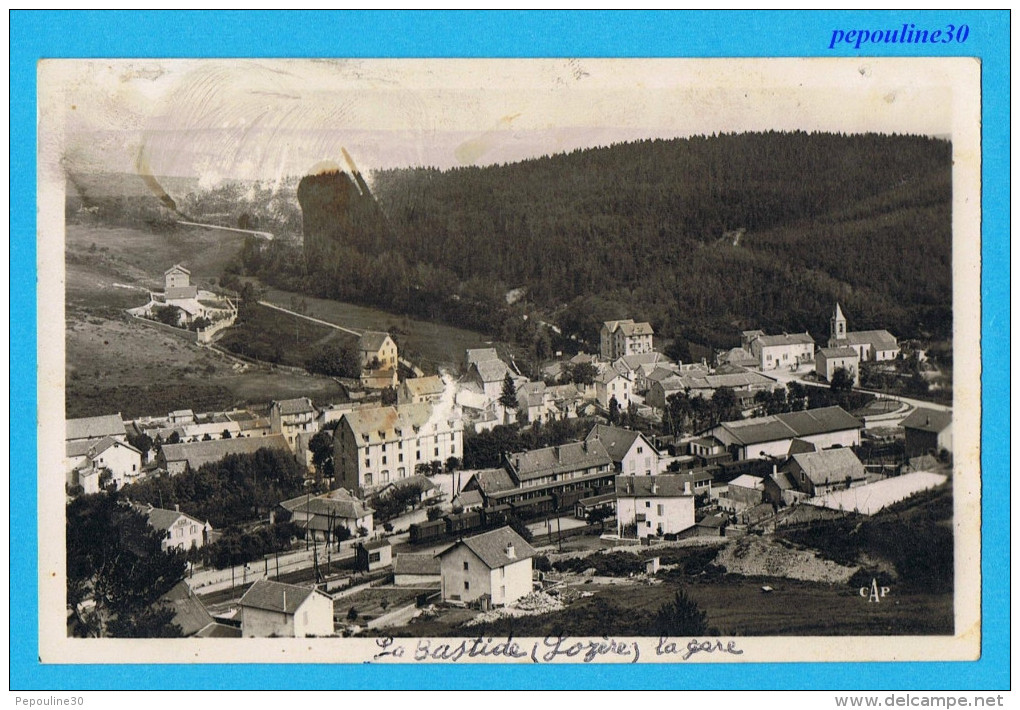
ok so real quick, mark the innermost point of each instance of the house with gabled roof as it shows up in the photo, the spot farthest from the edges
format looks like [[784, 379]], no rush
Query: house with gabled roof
[[491, 569], [319, 517], [828, 360], [274, 609], [192, 617], [376, 350], [821, 472], [624, 337], [611, 384], [87, 459], [762, 437], [421, 389], [927, 431], [180, 530], [632, 453]]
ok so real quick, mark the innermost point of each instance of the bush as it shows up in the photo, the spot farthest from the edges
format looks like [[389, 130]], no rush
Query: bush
[[681, 617]]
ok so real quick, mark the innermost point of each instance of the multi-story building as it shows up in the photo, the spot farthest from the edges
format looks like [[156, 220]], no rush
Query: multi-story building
[[624, 337], [378, 445], [291, 417], [493, 569], [653, 505], [770, 352]]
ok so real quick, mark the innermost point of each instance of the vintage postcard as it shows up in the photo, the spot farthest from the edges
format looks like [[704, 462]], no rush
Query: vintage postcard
[[509, 361]]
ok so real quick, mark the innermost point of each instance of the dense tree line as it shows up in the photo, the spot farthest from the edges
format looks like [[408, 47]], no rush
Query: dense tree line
[[238, 489], [703, 237]]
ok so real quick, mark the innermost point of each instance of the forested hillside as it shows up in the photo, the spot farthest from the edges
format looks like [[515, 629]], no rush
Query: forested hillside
[[704, 237]]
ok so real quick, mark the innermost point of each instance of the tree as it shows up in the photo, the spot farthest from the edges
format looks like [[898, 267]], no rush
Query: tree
[[434, 513], [167, 315], [321, 446], [117, 571], [614, 410], [225, 434], [452, 464], [681, 617], [143, 442], [599, 516], [842, 382], [724, 404], [508, 397], [336, 360]]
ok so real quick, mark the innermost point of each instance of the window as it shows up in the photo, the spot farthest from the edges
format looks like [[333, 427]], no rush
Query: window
[[453, 449], [368, 462], [648, 524], [374, 556], [465, 566], [368, 479], [385, 476], [400, 458], [437, 451], [384, 458], [659, 509], [417, 455], [467, 585], [640, 449], [648, 504]]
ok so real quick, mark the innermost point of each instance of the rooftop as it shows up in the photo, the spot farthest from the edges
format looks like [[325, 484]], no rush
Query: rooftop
[[276, 596], [492, 547], [830, 466], [372, 340], [411, 563], [95, 427], [662, 486], [559, 459], [199, 453], [929, 420], [791, 425], [300, 405]]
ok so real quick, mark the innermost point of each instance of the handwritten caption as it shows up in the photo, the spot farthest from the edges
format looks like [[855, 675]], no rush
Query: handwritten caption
[[550, 649]]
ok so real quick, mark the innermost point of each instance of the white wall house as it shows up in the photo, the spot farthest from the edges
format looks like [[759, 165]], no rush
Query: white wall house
[[494, 566], [654, 505], [285, 610]]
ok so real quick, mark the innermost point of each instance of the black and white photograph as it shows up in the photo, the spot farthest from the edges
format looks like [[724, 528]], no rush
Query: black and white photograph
[[519, 360]]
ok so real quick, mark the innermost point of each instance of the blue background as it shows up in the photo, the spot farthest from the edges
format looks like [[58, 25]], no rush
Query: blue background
[[37, 35]]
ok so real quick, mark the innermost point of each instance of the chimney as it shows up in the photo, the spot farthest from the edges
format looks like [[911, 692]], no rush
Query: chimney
[[285, 600], [655, 487], [177, 507], [510, 552]]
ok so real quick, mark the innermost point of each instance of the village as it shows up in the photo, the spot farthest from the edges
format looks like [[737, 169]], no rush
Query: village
[[437, 504]]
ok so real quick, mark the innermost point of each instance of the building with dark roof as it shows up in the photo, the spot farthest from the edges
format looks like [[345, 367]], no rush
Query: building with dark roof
[[274, 609], [653, 505], [632, 453], [111, 425], [761, 437], [319, 517], [927, 431], [491, 569], [821, 472], [192, 617], [828, 360], [178, 458], [416, 570]]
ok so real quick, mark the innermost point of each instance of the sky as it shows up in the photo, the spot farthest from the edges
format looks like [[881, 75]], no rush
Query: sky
[[268, 119]]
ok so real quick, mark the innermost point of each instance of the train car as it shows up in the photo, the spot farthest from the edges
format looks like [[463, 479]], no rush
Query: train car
[[427, 532], [534, 507], [496, 515], [463, 522]]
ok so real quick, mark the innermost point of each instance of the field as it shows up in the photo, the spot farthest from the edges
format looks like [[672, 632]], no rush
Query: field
[[271, 336], [115, 363], [424, 343]]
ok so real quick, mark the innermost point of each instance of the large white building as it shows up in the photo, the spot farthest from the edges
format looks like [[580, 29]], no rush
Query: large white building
[[494, 567], [775, 351], [624, 337], [653, 505], [379, 445]]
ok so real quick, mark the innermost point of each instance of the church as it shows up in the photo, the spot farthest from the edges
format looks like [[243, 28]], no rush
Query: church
[[871, 345]]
